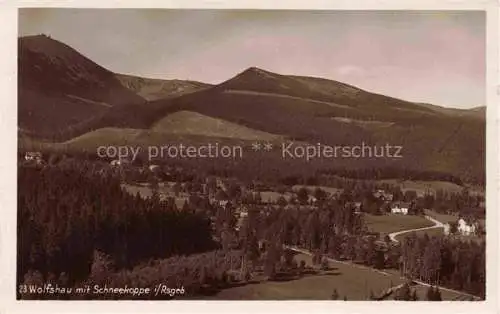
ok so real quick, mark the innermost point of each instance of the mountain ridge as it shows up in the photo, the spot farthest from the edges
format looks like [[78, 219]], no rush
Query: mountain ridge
[[154, 89], [58, 84], [298, 108]]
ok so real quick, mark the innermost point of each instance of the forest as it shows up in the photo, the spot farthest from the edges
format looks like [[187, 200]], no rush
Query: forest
[[76, 224], [64, 216]]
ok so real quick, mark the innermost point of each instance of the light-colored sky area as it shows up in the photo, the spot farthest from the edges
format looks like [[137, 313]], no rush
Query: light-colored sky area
[[425, 56]]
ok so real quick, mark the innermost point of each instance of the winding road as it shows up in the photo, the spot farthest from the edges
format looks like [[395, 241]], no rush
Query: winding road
[[437, 224], [392, 236]]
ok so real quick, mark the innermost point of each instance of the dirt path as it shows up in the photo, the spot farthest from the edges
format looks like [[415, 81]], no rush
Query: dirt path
[[437, 224]]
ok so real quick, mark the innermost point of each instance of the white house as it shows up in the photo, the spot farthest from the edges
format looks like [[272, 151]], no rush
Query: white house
[[357, 207], [312, 200], [115, 163], [33, 156], [223, 203], [120, 162], [400, 208], [241, 220], [464, 228], [382, 195]]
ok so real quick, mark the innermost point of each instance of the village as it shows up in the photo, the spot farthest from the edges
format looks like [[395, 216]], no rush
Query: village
[[278, 164], [369, 222], [220, 192]]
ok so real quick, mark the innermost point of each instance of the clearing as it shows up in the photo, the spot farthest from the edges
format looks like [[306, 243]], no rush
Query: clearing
[[351, 281], [389, 223], [165, 191], [193, 123], [423, 187]]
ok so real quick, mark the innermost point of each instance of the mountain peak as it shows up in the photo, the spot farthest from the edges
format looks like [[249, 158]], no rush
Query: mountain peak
[[258, 71]]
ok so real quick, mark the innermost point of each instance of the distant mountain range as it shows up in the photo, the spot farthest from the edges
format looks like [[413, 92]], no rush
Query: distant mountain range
[[65, 97], [153, 89]]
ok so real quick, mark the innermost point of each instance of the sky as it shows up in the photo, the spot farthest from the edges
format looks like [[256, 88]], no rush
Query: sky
[[436, 57]]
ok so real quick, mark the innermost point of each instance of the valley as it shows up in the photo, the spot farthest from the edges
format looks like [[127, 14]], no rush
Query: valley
[[266, 226]]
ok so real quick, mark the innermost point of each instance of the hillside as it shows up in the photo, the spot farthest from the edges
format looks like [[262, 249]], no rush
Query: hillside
[[153, 89], [476, 112], [255, 104], [353, 100], [431, 140], [192, 123], [59, 87]]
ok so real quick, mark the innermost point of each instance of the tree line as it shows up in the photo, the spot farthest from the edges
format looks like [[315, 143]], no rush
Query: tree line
[[443, 261], [64, 215]]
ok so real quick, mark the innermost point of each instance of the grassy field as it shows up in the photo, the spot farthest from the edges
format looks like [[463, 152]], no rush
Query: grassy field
[[392, 223], [354, 283], [350, 281], [145, 191], [430, 232], [270, 196], [311, 188], [422, 187], [189, 122], [444, 218]]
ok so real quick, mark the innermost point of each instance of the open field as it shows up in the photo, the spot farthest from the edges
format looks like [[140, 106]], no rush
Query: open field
[[392, 223], [444, 218], [423, 187], [188, 122], [350, 281], [272, 197], [354, 283], [311, 188], [145, 191], [430, 232]]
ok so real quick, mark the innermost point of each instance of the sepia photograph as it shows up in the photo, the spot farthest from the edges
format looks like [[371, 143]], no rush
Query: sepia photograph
[[251, 154]]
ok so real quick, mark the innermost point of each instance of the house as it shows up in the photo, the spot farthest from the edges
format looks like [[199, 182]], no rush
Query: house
[[312, 200], [120, 162], [33, 156], [115, 163], [465, 228], [358, 207], [222, 203], [243, 216], [378, 193], [382, 195], [400, 208]]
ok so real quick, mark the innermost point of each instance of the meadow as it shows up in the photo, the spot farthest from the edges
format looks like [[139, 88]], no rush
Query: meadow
[[389, 223], [353, 282]]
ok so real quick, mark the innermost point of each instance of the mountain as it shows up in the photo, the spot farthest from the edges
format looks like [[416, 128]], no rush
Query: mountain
[[278, 107], [59, 87], [253, 105], [153, 89], [351, 99]]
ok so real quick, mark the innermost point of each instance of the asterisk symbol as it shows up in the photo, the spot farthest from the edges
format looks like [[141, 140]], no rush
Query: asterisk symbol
[[268, 147], [256, 146]]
